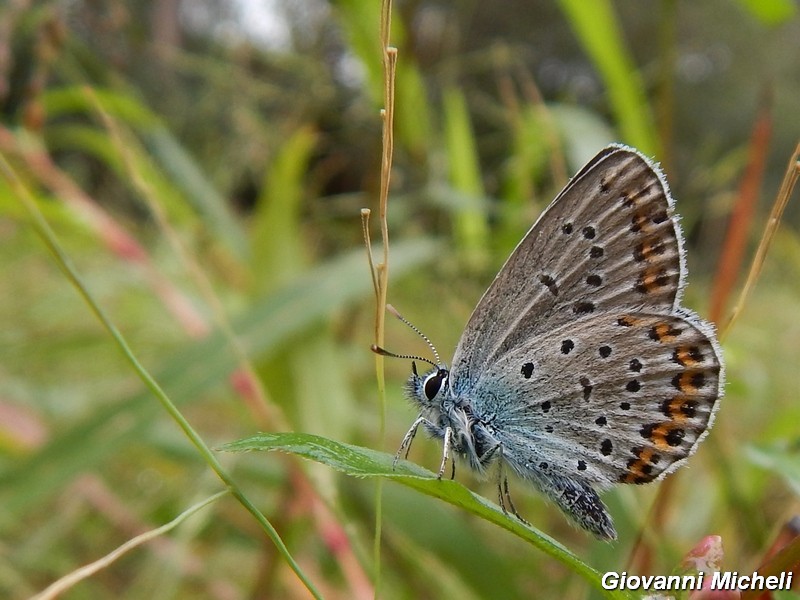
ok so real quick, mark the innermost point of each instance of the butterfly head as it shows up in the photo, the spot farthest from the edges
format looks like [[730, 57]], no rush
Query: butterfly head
[[429, 389]]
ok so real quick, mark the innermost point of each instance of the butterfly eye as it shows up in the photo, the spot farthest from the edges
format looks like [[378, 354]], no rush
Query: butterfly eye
[[433, 383]]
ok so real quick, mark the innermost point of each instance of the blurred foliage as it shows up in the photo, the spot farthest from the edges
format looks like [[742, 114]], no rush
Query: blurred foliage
[[203, 170]]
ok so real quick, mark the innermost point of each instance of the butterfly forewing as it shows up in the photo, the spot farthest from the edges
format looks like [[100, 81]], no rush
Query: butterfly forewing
[[608, 241]]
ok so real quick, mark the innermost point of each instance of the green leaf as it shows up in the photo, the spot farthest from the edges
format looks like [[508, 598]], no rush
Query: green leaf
[[364, 462]]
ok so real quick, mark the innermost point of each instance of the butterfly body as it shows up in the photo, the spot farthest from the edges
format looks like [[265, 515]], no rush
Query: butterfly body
[[578, 368]]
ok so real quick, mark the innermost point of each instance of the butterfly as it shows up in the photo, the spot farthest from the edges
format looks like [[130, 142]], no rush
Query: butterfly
[[579, 369]]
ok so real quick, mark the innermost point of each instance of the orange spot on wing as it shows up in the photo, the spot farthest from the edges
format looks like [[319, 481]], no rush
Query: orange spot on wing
[[665, 333]]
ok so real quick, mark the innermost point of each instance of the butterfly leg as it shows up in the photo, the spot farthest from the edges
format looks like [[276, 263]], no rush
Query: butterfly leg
[[503, 493], [407, 439], [505, 496], [448, 440]]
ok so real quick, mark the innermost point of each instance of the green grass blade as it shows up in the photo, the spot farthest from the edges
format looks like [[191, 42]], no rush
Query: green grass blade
[[263, 329], [771, 12], [598, 30], [471, 227], [364, 462], [278, 247], [63, 261], [184, 173], [178, 166], [72, 579]]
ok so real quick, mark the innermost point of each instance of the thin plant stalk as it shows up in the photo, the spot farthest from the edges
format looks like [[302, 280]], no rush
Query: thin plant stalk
[[72, 579], [48, 237], [781, 200], [380, 271], [268, 413]]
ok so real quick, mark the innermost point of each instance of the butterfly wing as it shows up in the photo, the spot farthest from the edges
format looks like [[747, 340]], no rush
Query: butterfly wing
[[578, 359], [566, 266], [616, 397]]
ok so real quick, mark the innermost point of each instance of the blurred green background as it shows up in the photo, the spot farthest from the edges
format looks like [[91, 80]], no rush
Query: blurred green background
[[203, 165]]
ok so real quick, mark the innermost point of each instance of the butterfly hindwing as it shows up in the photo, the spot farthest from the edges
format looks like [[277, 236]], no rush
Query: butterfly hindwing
[[612, 398]]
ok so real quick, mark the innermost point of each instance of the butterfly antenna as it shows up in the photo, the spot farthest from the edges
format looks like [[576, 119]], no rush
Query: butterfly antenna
[[384, 352], [413, 328]]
